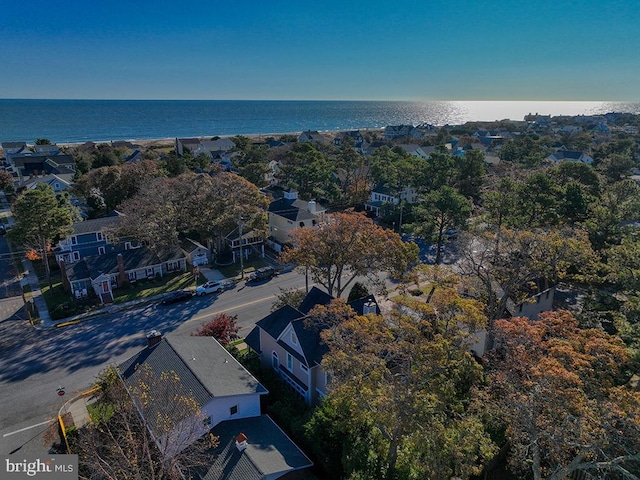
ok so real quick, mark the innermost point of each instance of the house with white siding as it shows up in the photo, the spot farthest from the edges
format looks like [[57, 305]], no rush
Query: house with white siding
[[251, 446], [294, 349]]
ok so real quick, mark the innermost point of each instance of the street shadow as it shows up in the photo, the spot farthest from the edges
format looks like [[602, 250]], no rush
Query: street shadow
[[26, 351]]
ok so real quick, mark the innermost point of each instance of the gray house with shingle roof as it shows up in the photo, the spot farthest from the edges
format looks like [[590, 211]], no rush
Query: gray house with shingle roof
[[288, 213], [294, 349], [229, 396], [103, 273]]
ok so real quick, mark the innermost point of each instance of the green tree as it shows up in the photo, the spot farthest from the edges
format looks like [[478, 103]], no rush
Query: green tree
[[501, 204], [307, 170], [6, 181], [441, 210], [616, 166], [470, 171], [199, 204], [618, 203], [40, 220], [108, 187]]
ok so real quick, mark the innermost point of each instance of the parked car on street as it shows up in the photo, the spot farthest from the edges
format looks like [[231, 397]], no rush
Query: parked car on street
[[264, 273], [210, 287], [178, 296]]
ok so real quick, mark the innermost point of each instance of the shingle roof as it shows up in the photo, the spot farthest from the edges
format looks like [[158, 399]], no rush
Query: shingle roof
[[97, 224], [162, 358], [133, 259], [313, 298], [269, 453], [291, 209], [215, 367], [204, 368], [277, 321], [311, 344]]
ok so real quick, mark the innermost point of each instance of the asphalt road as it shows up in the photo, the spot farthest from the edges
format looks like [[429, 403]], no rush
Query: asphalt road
[[34, 363]]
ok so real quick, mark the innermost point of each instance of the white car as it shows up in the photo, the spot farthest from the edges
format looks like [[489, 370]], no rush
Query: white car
[[209, 287]]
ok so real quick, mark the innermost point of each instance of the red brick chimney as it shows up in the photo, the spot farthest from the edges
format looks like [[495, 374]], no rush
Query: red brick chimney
[[154, 337], [241, 442], [65, 279]]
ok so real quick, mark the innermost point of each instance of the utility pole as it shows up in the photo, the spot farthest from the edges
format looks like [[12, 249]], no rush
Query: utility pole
[[240, 225]]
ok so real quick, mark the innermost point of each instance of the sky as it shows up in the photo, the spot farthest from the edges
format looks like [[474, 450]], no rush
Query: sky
[[583, 50]]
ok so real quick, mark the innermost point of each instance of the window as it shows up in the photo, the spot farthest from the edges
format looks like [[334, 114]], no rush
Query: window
[[274, 360], [101, 250], [327, 378], [289, 362], [294, 339], [207, 422], [132, 276], [76, 256], [149, 272], [74, 240], [301, 224], [233, 410], [99, 236]]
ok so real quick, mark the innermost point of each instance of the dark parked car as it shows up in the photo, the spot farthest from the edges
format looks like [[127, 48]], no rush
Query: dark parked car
[[179, 296], [263, 274]]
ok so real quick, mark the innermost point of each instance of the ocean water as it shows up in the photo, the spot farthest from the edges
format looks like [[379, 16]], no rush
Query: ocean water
[[103, 120]]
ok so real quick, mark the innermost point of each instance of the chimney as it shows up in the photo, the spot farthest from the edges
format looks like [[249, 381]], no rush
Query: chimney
[[122, 275], [153, 338], [65, 279], [369, 307], [311, 206], [291, 194], [241, 442]]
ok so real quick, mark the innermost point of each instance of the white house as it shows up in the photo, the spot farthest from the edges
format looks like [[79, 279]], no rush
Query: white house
[[251, 445]]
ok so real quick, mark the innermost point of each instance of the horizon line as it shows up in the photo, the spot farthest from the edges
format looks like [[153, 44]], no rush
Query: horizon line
[[317, 100]]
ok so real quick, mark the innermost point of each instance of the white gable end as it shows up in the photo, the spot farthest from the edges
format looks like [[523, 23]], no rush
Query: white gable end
[[289, 337]]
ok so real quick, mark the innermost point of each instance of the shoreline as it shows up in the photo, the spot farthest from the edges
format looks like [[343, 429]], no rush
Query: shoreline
[[169, 141]]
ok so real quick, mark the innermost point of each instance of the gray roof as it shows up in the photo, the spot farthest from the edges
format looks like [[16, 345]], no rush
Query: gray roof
[[97, 224], [97, 265], [291, 209], [311, 344], [215, 367], [163, 358], [269, 451], [204, 368]]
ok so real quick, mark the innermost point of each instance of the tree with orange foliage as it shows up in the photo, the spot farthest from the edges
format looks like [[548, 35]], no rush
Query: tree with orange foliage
[[559, 391], [346, 246]]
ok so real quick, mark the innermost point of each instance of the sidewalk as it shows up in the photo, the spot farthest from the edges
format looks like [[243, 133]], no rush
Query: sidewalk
[[31, 279]]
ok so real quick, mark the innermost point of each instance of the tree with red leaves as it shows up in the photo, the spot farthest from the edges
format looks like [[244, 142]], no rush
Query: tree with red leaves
[[222, 327]]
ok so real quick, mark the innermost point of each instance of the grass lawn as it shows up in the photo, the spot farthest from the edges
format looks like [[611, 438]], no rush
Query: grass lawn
[[61, 304], [149, 288], [233, 270]]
